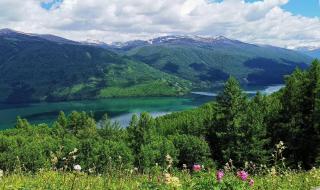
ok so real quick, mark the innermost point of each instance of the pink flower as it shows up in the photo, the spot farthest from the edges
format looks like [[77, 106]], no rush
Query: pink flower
[[243, 175], [219, 175], [196, 167], [251, 182]]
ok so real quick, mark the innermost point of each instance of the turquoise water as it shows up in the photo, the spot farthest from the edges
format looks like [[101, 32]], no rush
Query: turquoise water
[[119, 109]]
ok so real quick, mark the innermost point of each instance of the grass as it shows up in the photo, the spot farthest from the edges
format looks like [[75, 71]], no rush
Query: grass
[[117, 177], [128, 179]]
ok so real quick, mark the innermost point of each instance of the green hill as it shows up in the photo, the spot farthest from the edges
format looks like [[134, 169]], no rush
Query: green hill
[[36, 69], [210, 61], [49, 68]]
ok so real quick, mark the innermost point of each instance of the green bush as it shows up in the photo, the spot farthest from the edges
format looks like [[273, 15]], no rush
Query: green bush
[[192, 150]]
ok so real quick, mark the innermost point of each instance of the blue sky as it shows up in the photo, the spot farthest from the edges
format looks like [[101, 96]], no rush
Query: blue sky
[[308, 8], [50, 4]]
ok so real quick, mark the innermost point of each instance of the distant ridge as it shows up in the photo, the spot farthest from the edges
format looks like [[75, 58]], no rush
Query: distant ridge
[[37, 67]]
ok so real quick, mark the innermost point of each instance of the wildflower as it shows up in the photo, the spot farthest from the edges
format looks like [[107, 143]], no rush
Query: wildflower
[[227, 167], [170, 180], [243, 175], [196, 167], [167, 178], [273, 171], [54, 160], [77, 168], [246, 164], [251, 182], [91, 170], [169, 161], [219, 175], [1, 173], [75, 150], [175, 182], [184, 166]]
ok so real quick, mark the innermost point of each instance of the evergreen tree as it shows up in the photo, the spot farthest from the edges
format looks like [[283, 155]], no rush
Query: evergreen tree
[[139, 133], [298, 122], [227, 131], [238, 131]]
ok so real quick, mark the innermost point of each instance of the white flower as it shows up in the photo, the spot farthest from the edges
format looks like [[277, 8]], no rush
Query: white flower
[[77, 168], [91, 170], [1, 173]]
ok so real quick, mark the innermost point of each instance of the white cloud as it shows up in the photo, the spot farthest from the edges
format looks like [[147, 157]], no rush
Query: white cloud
[[120, 20]]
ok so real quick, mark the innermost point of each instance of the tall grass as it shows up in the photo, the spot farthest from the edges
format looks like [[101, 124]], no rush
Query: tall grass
[[251, 176]]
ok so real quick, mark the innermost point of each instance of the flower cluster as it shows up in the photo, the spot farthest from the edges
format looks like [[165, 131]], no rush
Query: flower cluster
[[171, 180], [243, 175], [196, 168], [169, 161], [77, 168], [219, 175]]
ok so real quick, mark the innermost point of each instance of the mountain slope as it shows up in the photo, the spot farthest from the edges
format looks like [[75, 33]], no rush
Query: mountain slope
[[37, 68], [209, 61], [311, 51]]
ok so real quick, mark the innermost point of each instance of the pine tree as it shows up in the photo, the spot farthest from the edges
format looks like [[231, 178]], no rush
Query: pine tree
[[227, 133], [298, 122], [139, 133]]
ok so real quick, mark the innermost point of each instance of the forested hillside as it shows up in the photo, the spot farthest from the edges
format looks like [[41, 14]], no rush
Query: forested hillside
[[210, 61], [39, 68], [49, 68]]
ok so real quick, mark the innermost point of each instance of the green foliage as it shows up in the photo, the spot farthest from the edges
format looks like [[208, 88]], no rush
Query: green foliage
[[192, 150], [298, 121], [154, 152], [238, 131]]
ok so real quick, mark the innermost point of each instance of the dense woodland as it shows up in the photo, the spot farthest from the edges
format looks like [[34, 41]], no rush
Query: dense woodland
[[232, 127]]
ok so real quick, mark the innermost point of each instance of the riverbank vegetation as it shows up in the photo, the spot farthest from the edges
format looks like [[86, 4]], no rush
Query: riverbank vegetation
[[273, 140]]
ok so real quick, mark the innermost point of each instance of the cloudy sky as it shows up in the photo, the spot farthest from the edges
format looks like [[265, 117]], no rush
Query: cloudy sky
[[285, 23]]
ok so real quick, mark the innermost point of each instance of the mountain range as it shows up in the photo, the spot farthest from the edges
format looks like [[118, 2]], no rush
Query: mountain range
[[37, 67], [311, 51]]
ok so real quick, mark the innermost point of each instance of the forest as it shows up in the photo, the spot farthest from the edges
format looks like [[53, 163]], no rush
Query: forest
[[282, 129]]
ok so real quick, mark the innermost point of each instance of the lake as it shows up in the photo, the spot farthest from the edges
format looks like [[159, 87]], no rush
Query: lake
[[119, 109]]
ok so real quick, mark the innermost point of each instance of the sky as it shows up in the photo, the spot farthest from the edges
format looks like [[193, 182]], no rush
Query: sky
[[284, 23]]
